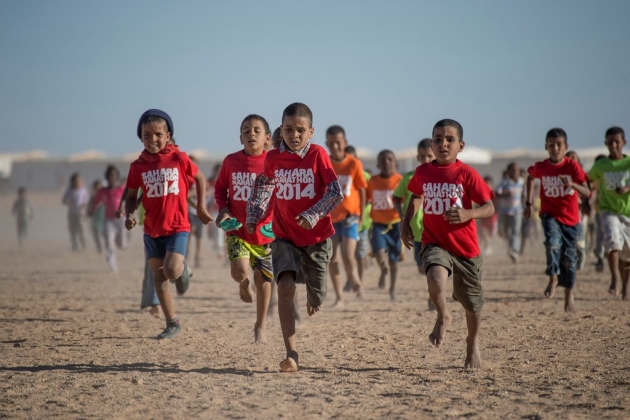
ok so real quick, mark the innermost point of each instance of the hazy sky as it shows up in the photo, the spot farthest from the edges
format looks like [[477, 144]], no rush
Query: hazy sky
[[76, 75]]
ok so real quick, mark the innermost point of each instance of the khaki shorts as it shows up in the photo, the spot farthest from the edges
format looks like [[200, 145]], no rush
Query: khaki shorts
[[259, 255], [308, 263], [466, 274], [616, 229]]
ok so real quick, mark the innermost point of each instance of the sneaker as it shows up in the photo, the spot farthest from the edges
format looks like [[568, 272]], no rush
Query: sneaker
[[171, 330], [514, 257], [183, 282]]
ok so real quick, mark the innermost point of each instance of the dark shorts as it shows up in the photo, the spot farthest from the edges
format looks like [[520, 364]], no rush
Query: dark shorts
[[388, 239], [417, 249], [158, 247], [466, 274], [309, 263]]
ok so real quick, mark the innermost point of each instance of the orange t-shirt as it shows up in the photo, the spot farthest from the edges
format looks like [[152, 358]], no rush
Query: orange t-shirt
[[380, 192], [350, 175]]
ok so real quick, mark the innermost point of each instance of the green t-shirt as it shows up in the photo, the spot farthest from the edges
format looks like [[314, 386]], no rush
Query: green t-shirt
[[402, 192], [367, 220], [611, 174]]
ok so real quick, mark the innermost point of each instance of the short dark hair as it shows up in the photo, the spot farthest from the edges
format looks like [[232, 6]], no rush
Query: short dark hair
[[298, 109], [557, 132], [600, 157], [424, 144], [351, 150], [447, 122], [384, 152], [111, 168], [511, 165], [334, 130], [615, 130], [259, 118]]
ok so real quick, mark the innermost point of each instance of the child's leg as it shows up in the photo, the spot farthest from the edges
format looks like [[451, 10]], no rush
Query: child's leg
[[286, 291], [515, 235], [394, 255], [273, 302], [553, 248], [348, 251], [109, 237], [569, 267], [381, 259], [263, 295], [436, 282], [393, 276], [239, 256], [379, 250], [73, 231], [615, 271], [625, 276], [473, 357], [334, 268]]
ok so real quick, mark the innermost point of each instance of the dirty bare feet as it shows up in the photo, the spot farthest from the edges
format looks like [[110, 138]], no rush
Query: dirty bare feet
[[339, 303], [246, 292], [259, 335], [614, 287], [473, 357], [310, 310], [551, 287], [154, 311], [569, 303], [289, 364], [439, 331]]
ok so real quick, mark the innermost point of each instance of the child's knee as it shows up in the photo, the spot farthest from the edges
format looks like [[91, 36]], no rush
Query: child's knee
[[238, 272], [286, 290]]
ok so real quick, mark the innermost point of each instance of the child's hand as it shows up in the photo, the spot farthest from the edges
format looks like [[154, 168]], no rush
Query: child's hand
[[130, 222], [407, 235], [224, 214], [251, 228], [303, 223], [566, 180], [456, 215], [527, 213], [119, 213], [622, 190], [203, 215]]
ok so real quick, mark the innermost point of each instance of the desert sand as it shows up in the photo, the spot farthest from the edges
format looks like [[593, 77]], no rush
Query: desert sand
[[75, 344]]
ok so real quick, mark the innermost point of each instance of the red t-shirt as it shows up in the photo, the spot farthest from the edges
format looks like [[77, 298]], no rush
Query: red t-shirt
[[233, 188], [110, 197], [443, 187], [163, 178], [556, 200], [300, 184]]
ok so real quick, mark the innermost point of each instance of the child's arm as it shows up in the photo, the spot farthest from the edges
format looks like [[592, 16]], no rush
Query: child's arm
[[331, 199], [221, 187], [583, 189], [456, 215], [259, 201], [415, 202], [529, 198], [131, 203], [123, 199], [398, 206], [363, 200], [202, 212]]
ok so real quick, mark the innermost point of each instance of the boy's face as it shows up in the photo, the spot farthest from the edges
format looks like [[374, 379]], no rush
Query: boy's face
[[254, 137], [615, 145], [572, 156], [387, 164], [446, 144], [155, 136], [557, 148], [425, 155], [296, 132], [337, 145], [513, 172]]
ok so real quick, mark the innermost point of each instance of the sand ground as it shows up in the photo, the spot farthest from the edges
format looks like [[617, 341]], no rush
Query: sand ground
[[76, 345]]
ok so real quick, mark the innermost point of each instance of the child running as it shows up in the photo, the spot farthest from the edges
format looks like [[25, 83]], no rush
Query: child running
[[97, 217], [612, 178], [23, 212], [162, 171], [510, 193], [232, 189], [446, 189], [385, 241], [307, 190], [113, 232], [76, 198], [424, 156], [488, 227], [560, 177], [348, 215]]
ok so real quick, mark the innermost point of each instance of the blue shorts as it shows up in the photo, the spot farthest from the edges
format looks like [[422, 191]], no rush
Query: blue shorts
[[158, 247], [386, 239], [347, 228], [417, 247], [363, 246]]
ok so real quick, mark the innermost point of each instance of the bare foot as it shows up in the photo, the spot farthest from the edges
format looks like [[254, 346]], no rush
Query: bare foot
[[392, 296], [431, 305], [288, 365], [245, 290], [569, 303], [259, 335], [154, 311], [439, 331], [551, 287], [339, 303], [473, 357], [614, 288], [625, 293], [310, 310], [383, 278]]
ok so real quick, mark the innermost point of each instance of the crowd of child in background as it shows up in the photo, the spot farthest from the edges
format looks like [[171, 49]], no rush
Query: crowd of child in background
[[353, 217]]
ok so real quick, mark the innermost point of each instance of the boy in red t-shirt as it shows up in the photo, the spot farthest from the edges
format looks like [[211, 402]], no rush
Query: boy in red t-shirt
[[385, 239], [162, 171], [446, 188], [306, 191], [348, 215], [559, 177], [232, 189]]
